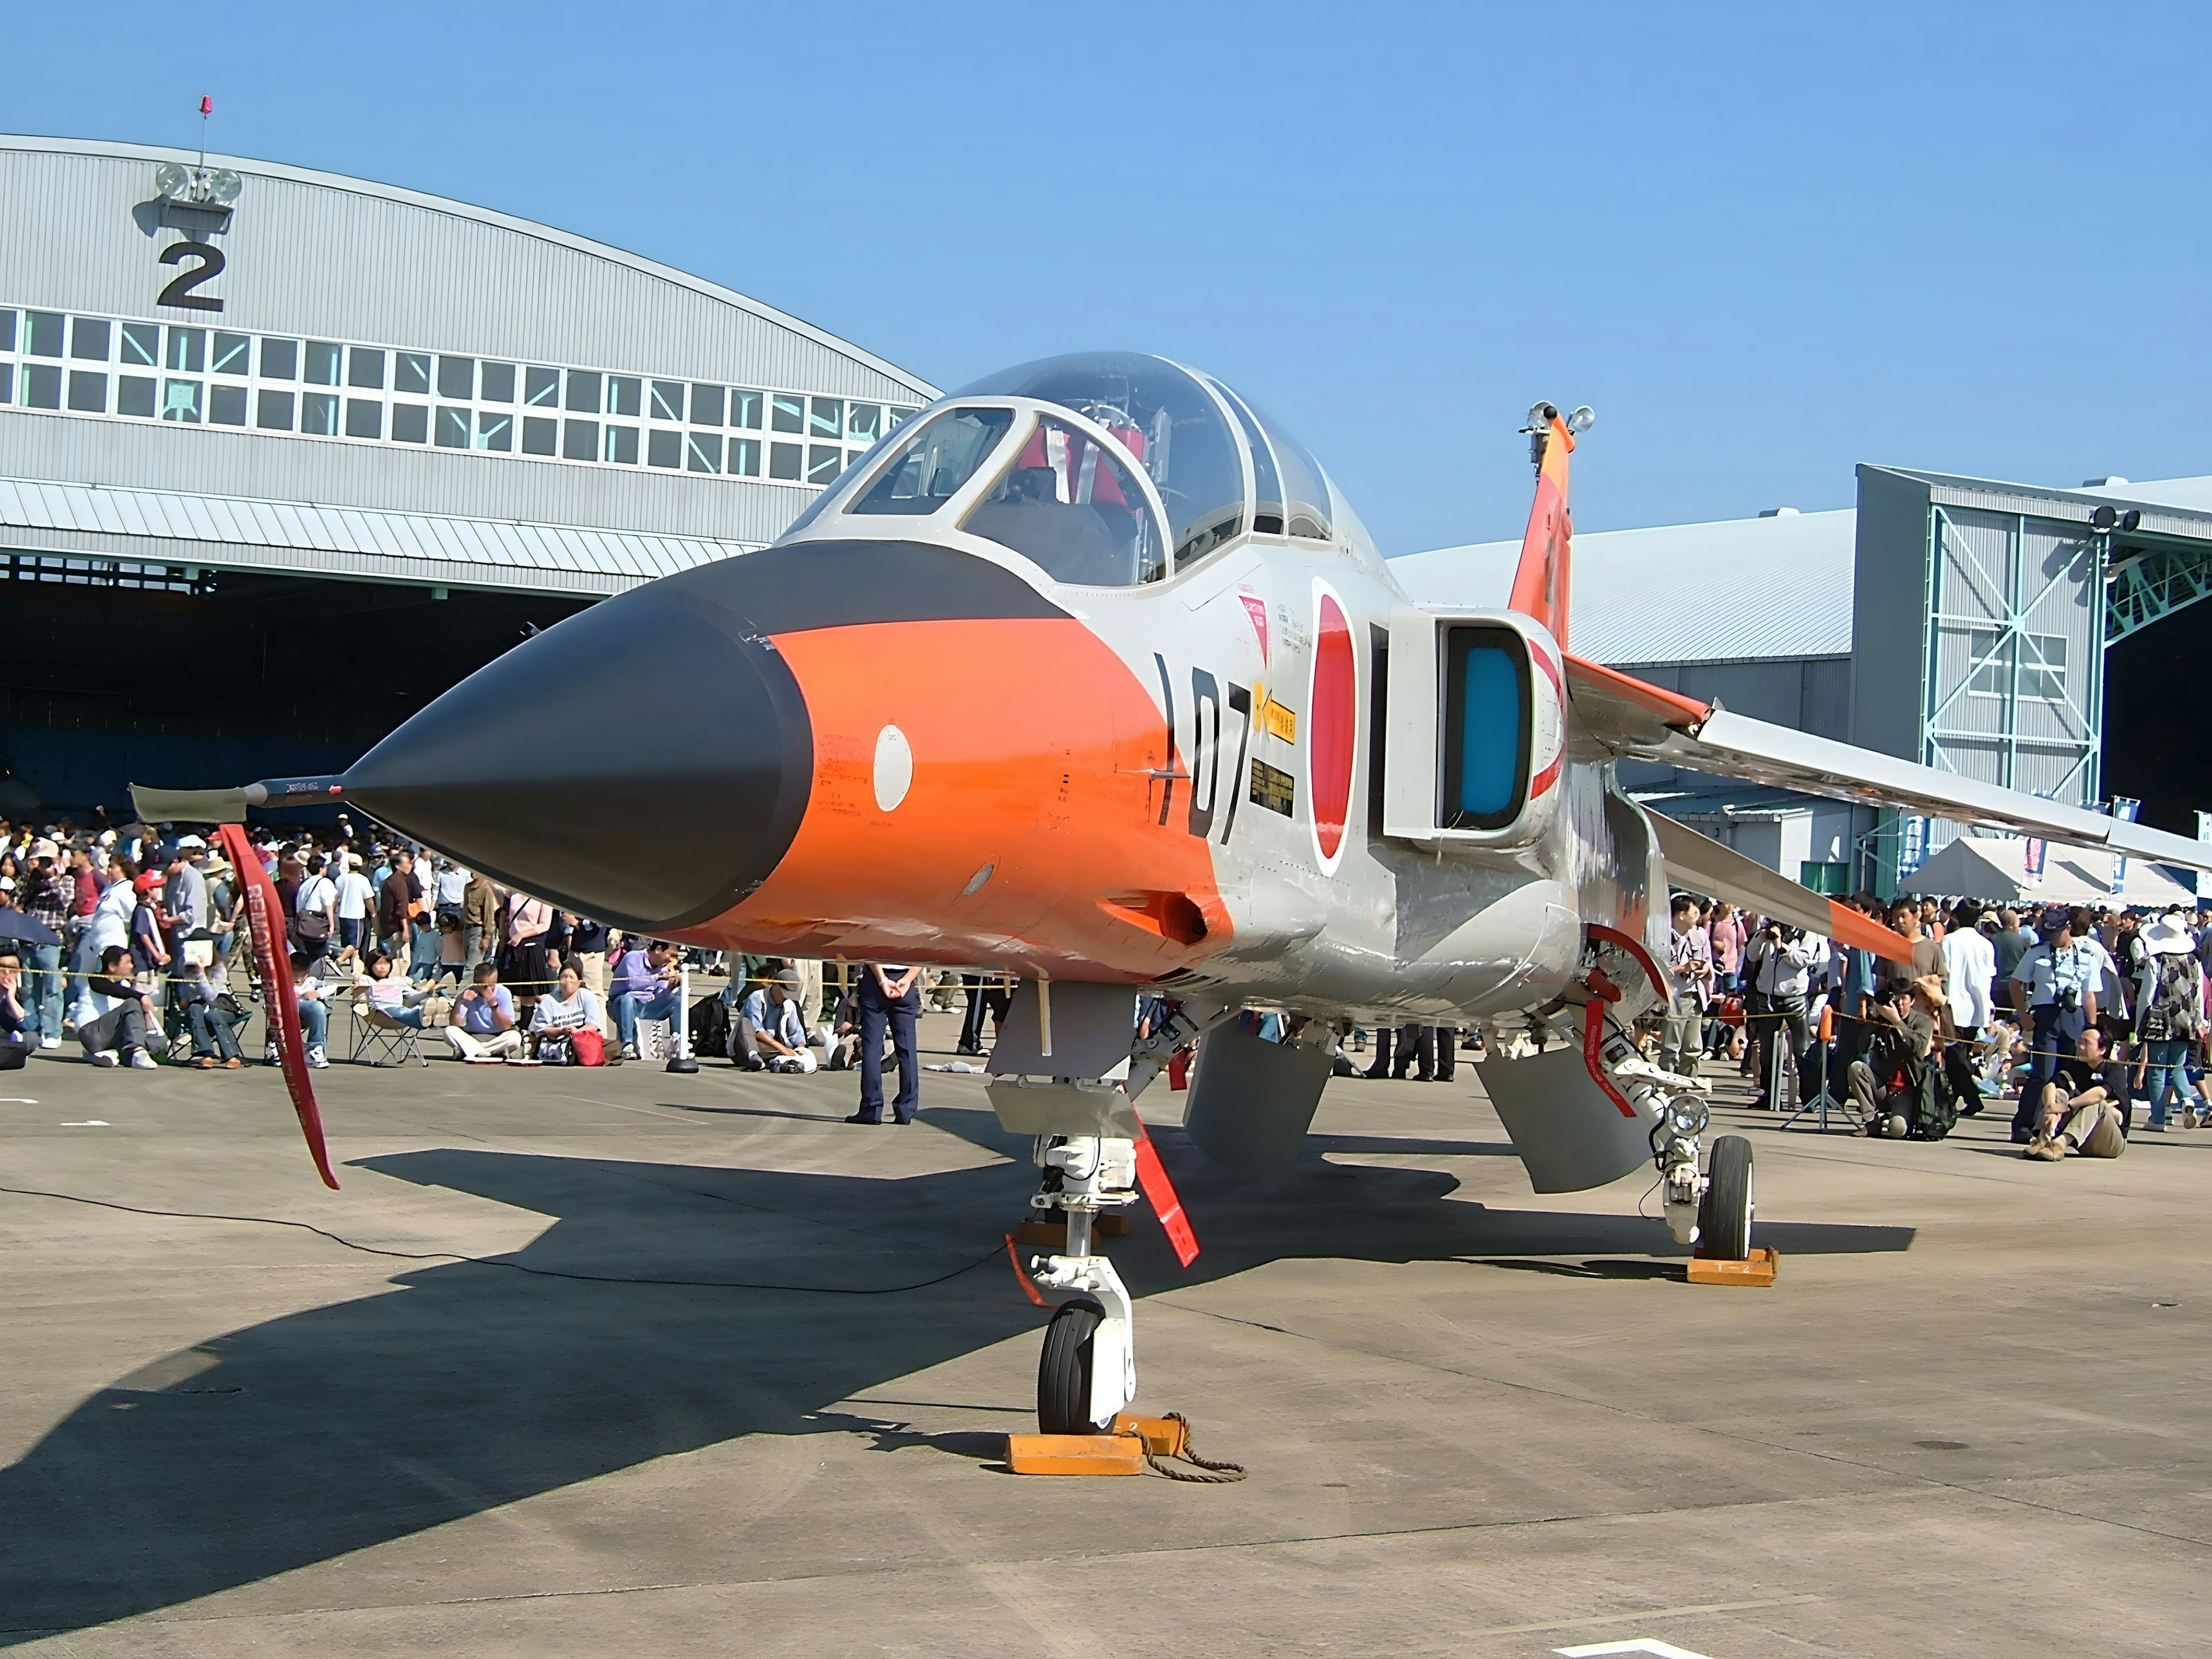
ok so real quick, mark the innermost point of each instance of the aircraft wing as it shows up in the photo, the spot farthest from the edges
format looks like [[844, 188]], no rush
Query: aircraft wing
[[1648, 722], [1706, 866]]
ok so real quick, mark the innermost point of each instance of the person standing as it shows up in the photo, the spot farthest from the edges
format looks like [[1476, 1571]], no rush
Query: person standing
[[354, 897], [395, 905], [2054, 990], [586, 952], [47, 896], [1689, 973], [1778, 964], [480, 918], [1970, 961], [2169, 990], [891, 1001]]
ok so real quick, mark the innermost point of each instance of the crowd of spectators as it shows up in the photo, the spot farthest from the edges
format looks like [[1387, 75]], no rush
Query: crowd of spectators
[[2077, 1014]]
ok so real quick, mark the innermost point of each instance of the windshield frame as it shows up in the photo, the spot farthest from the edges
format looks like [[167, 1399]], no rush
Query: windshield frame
[[1037, 411]]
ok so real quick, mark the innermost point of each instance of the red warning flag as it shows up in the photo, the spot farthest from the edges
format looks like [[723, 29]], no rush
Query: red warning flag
[[1160, 1193], [271, 953]]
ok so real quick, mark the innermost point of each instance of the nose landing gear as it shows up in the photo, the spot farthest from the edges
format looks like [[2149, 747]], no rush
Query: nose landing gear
[[1088, 1370]]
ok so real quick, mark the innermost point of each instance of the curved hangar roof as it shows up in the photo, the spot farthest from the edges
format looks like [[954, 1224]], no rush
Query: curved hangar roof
[[329, 345]]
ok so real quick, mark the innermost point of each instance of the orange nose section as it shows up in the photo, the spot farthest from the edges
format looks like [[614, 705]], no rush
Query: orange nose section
[[986, 791]]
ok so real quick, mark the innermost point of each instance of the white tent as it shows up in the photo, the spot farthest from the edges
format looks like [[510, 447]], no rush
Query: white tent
[[1995, 867]]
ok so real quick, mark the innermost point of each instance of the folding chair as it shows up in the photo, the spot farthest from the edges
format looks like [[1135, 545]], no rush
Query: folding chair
[[379, 1039]]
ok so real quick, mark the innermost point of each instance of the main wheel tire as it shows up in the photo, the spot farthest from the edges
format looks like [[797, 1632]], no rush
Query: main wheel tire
[[1724, 1212], [1064, 1369]]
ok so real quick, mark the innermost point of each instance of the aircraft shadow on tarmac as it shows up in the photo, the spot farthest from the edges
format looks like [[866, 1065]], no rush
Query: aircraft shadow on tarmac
[[467, 1386]]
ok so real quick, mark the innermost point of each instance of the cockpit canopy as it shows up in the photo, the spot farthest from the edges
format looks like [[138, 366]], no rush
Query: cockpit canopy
[[1160, 467]]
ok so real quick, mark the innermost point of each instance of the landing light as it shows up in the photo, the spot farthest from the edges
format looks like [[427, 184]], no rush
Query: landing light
[[1688, 1116]]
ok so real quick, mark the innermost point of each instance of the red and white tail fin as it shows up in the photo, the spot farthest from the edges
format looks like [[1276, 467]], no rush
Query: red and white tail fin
[[1542, 580]]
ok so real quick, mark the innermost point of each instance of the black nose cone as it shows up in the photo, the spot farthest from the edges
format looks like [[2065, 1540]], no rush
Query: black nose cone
[[644, 762]]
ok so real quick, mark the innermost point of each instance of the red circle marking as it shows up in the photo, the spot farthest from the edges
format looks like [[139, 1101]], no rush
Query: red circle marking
[[1334, 717]]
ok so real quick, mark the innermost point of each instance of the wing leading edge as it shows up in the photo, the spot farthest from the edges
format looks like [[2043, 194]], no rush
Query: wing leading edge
[[1648, 722]]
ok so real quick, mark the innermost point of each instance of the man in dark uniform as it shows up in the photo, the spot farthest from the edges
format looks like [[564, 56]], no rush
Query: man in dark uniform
[[890, 995]]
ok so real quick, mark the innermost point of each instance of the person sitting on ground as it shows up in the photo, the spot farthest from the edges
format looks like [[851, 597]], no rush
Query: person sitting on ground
[[2084, 1107], [389, 994], [646, 988], [483, 1019], [212, 1015], [311, 995], [768, 1034], [15, 1023], [113, 1015], [569, 1007], [1889, 1085]]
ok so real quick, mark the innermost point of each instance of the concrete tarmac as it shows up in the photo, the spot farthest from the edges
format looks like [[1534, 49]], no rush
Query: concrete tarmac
[[1971, 1418]]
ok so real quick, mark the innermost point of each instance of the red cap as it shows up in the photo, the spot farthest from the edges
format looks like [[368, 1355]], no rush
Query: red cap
[[147, 883]]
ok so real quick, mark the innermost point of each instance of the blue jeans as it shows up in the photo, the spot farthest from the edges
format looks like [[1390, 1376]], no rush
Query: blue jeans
[[2163, 1074], [879, 1014], [314, 1022], [629, 1006], [44, 1003], [2047, 1046]]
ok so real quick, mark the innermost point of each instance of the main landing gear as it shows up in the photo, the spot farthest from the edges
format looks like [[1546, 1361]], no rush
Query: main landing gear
[[1088, 1370]]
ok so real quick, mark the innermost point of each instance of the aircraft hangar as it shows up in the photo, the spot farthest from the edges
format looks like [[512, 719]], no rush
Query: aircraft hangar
[[283, 454], [2044, 639]]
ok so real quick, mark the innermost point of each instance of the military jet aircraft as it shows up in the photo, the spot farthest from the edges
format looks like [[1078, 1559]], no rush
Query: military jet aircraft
[[1090, 672]]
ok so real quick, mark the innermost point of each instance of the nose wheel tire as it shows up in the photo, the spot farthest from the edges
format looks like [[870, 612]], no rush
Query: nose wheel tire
[[1724, 1211], [1064, 1369]]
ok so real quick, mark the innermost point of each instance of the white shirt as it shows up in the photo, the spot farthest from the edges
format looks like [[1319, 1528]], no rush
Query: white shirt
[[315, 894], [1784, 970], [452, 884], [354, 892], [555, 1014], [110, 917], [1969, 962]]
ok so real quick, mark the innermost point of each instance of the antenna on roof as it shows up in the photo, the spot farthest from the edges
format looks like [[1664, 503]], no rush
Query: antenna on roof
[[207, 108]]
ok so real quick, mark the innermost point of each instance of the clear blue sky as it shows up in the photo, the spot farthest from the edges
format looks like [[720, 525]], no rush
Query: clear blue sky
[[1765, 241]]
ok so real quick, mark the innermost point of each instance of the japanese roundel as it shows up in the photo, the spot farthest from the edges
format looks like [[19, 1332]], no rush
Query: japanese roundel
[[1332, 722]]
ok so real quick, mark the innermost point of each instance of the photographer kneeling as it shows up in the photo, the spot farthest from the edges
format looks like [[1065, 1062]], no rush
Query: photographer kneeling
[[1894, 1085]]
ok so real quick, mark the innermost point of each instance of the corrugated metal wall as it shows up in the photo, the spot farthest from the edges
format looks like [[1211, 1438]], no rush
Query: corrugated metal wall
[[311, 255]]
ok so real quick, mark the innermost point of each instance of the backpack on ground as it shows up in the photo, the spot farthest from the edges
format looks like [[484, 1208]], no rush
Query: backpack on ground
[[710, 1026]]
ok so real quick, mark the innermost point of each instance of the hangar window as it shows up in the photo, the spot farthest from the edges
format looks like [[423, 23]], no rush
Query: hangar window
[[541, 387], [180, 401], [540, 437], [864, 423], [783, 462], [364, 370], [664, 448], [88, 391], [823, 463], [188, 350], [621, 395], [140, 344], [706, 405], [364, 418], [583, 392], [668, 400], [498, 384], [580, 440], [452, 427], [226, 404], [1069, 504], [702, 452], [42, 386], [234, 354], [827, 419], [411, 422], [744, 458], [89, 337], [410, 371], [42, 334], [273, 411], [134, 395], [622, 444], [457, 378], [6, 383], [319, 414], [789, 414], [7, 331], [494, 431], [745, 410], [322, 363], [280, 359]]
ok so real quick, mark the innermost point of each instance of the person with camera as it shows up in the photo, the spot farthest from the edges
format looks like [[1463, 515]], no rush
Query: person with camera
[[1778, 967], [2054, 991], [1892, 1087], [1690, 976]]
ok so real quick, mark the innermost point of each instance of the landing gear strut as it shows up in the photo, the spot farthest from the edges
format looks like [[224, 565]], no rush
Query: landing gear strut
[[1088, 1370]]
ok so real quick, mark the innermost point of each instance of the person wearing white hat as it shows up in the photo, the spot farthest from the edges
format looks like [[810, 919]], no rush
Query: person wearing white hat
[[2169, 1015]]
